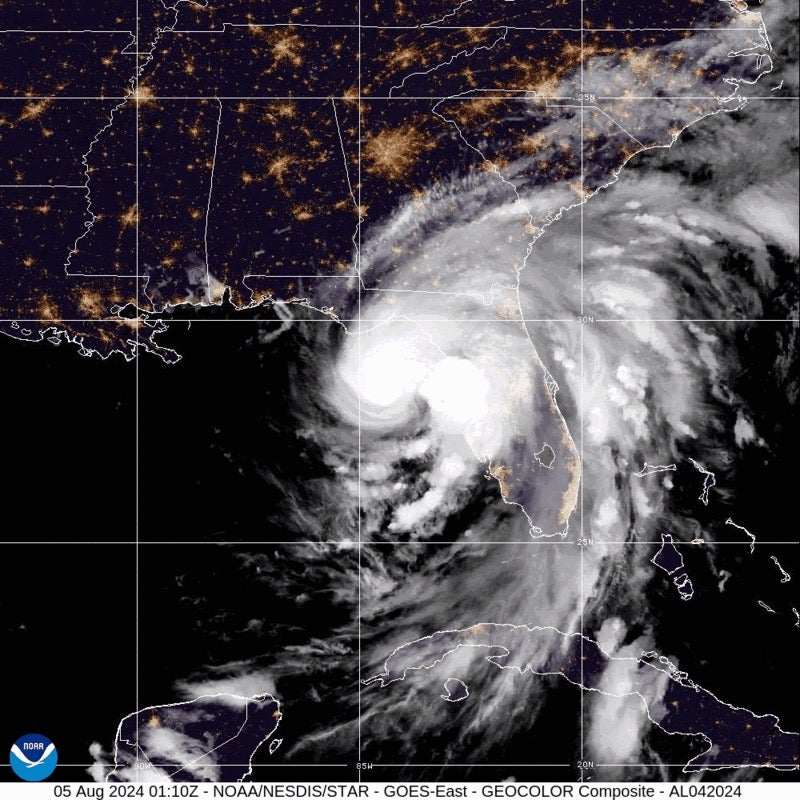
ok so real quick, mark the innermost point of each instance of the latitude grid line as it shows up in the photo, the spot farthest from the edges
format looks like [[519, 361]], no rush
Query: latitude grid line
[[109, 768], [401, 321], [24, 98], [245, 543], [351, 26], [138, 542]]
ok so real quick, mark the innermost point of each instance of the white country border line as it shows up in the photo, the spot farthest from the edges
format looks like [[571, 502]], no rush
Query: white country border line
[[209, 297], [355, 238], [753, 539], [648, 469], [257, 697], [785, 576], [448, 697], [133, 82], [461, 53], [709, 481], [670, 669]]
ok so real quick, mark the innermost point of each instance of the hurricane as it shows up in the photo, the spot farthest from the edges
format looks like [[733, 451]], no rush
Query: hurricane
[[516, 394]]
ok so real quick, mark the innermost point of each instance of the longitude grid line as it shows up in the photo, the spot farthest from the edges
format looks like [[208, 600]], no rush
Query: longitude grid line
[[136, 377], [582, 381], [360, 285]]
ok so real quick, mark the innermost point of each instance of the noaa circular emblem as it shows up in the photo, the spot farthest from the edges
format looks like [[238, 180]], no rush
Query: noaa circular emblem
[[33, 757]]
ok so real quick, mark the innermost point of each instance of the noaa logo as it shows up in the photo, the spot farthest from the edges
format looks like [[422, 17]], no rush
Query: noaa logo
[[33, 757]]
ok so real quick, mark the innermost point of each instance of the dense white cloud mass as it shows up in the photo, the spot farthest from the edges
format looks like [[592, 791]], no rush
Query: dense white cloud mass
[[498, 323], [655, 260]]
